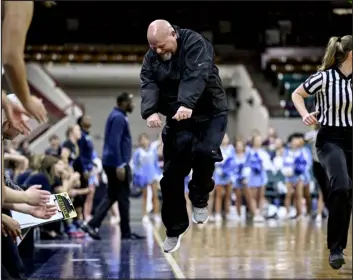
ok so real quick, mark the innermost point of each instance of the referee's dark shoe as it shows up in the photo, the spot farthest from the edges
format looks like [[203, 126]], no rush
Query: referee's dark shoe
[[93, 233], [336, 258]]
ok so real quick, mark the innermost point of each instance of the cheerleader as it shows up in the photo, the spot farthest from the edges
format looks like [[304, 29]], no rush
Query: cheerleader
[[257, 160], [294, 167], [241, 172], [307, 178], [144, 163], [223, 180]]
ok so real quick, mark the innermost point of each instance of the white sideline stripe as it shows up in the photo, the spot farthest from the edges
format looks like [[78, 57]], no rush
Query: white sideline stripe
[[49, 246], [85, 260], [168, 257]]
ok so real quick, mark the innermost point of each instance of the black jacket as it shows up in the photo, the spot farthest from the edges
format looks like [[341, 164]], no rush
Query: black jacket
[[189, 79]]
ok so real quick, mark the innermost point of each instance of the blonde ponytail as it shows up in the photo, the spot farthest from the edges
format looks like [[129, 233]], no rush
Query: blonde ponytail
[[336, 52], [330, 54]]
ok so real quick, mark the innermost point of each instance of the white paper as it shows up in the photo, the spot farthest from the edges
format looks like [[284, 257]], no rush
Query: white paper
[[28, 221]]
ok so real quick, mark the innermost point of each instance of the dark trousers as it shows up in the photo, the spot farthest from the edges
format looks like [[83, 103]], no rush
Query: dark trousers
[[12, 261], [321, 180], [5, 274], [334, 150], [188, 144], [117, 191]]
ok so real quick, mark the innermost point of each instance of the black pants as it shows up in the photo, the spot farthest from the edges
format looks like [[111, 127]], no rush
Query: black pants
[[334, 150], [321, 180], [5, 274], [12, 260], [188, 145], [117, 191]]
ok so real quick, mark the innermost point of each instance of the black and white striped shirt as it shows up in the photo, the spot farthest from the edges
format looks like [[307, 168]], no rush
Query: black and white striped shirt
[[333, 97]]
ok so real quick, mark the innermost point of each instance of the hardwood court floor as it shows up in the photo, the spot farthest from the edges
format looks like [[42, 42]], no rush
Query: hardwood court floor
[[287, 249]]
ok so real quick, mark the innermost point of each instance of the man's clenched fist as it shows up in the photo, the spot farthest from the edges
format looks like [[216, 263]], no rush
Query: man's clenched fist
[[154, 121], [183, 113]]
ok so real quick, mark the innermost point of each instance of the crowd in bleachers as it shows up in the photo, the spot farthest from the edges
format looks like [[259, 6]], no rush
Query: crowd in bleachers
[[68, 165]]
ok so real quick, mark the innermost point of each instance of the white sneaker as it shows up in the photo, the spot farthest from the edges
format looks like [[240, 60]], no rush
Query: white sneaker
[[157, 219], [258, 218], [218, 218], [171, 244], [112, 221], [146, 219], [318, 218], [211, 219]]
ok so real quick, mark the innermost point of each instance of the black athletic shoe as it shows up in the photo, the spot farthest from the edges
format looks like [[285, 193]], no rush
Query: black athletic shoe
[[132, 236], [336, 258], [91, 231]]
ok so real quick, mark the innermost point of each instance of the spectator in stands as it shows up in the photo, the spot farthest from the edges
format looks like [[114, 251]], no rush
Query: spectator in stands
[[86, 157], [52, 175], [70, 150], [54, 148], [70, 153], [49, 173], [23, 148]]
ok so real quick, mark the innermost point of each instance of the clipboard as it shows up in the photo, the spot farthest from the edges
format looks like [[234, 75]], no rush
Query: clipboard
[[65, 211]]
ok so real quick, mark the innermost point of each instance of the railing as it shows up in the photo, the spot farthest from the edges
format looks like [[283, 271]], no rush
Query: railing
[[86, 53]]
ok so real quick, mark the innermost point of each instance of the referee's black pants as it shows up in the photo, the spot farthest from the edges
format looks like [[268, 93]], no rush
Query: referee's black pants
[[321, 180], [334, 150], [195, 145]]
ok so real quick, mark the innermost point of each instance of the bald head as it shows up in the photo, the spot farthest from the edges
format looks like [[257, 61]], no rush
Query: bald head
[[162, 38], [158, 31]]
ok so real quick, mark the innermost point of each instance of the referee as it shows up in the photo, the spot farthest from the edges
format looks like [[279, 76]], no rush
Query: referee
[[332, 86]]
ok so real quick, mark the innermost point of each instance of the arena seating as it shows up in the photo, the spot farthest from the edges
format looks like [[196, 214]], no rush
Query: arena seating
[[286, 74], [86, 53]]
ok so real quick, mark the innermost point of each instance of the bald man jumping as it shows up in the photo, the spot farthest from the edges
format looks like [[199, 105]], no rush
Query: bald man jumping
[[180, 80]]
